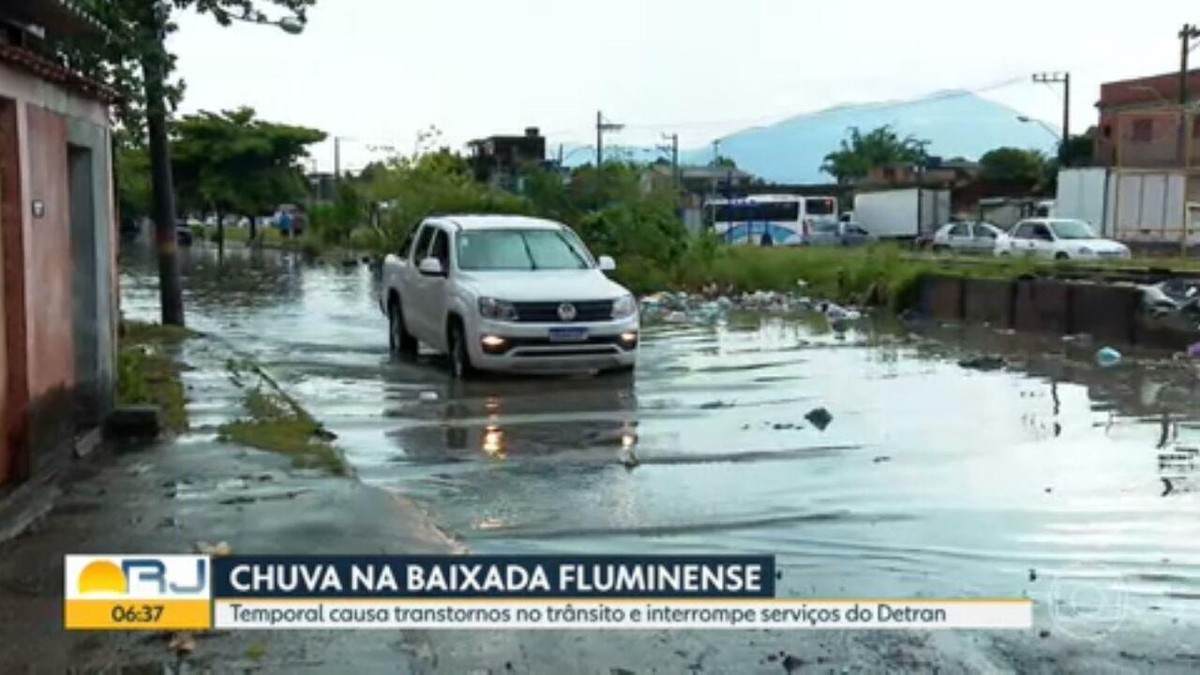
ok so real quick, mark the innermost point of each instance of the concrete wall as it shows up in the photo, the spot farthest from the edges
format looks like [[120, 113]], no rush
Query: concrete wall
[[1108, 312], [48, 251], [57, 278]]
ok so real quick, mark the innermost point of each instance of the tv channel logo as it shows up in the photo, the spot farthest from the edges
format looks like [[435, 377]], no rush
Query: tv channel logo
[[141, 577]]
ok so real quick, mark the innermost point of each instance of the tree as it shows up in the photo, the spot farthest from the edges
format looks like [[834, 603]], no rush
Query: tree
[[1013, 166], [132, 59], [232, 162], [859, 152], [1077, 150]]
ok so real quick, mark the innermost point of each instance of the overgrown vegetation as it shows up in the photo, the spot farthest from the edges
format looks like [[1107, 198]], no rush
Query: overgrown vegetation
[[277, 423], [147, 373]]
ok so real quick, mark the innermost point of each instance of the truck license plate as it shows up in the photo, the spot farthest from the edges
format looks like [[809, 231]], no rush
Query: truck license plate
[[568, 334]]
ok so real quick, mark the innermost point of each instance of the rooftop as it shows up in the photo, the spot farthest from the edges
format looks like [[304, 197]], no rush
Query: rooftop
[[499, 222], [56, 17]]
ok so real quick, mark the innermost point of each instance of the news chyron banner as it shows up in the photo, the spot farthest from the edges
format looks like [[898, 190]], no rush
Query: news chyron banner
[[121, 592]]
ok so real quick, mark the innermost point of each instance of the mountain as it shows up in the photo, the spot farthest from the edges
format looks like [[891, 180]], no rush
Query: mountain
[[957, 124]]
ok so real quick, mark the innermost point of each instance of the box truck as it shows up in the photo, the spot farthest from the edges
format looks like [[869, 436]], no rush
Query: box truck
[[902, 214], [1143, 205]]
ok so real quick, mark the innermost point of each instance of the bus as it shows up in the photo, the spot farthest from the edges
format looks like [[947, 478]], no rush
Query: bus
[[788, 220]]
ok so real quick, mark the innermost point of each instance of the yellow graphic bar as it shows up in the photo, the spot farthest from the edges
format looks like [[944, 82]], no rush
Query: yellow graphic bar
[[138, 615]]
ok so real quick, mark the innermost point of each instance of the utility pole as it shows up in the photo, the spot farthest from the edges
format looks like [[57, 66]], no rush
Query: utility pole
[[673, 151], [337, 160], [1186, 35], [154, 69], [601, 127], [1065, 80]]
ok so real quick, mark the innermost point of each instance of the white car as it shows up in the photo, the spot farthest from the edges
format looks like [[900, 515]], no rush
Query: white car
[[966, 237], [507, 293], [1060, 239]]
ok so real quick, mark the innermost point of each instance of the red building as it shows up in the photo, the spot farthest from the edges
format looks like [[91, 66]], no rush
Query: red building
[[58, 278], [1141, 122]]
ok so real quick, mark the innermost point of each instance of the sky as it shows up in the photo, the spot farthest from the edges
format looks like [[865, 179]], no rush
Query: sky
[[376, 72]]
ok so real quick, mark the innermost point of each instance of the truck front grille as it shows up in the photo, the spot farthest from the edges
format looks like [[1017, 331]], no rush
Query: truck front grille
[[547, 312]]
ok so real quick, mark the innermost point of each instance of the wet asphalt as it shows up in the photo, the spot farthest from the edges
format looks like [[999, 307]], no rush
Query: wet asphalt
[[1048, 478]]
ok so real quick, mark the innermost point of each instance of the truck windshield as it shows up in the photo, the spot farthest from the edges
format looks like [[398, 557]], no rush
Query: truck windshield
[[1072, 229], [520, 250]]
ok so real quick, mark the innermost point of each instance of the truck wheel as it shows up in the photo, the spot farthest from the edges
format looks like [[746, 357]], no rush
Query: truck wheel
[[400, 341], [460, 357]]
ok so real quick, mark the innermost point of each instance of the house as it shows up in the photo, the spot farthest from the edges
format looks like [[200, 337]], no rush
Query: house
[[58, 276], [1141, 120], [500, 160], [934, 174]]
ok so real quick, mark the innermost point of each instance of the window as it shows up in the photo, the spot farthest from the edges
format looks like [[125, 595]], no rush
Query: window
[[757, 212], [1072, 229], [441, 249], [1143, 130], [983, 231], [1108, 131], [521, 250], [1023, 231], [826, 227], [960, 230], [1042, 232], [418, 252], [820, 207]]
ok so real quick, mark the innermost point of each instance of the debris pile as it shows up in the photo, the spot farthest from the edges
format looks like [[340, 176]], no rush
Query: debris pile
[[1174, 300], [712, 307]]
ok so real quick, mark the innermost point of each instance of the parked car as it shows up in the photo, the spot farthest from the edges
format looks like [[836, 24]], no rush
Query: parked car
[[966, 237], [507, 293], [1058, 238], [836, 233], [183, 234]]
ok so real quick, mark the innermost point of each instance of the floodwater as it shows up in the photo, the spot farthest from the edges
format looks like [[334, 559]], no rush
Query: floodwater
[[1049, 478]]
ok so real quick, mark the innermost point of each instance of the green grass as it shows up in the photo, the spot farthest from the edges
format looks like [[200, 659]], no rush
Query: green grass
[[881, 275], [275, 423], [148, 374]]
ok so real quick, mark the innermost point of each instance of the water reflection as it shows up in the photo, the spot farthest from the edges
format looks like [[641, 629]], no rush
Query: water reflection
[[500, 417], [931, 478]]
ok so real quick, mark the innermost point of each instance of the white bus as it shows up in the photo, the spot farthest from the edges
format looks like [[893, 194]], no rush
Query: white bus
[[787, 220]]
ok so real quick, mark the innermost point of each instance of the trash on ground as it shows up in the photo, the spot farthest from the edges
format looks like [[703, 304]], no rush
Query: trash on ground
[[428, 396], [982, 362], [819, 417], [218, 549], [1193, 350], [1107, 357], [182, 643]]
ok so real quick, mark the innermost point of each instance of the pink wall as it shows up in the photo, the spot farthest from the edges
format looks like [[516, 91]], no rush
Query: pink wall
[[48, 255]]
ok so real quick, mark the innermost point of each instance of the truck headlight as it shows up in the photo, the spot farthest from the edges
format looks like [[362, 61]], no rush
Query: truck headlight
[[500, 310], [624, 306]]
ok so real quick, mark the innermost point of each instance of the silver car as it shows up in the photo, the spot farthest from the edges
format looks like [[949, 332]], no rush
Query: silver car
[[835, 233], [966, 237]]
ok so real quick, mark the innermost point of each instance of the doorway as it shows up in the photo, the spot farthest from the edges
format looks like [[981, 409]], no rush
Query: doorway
[[84, 286]]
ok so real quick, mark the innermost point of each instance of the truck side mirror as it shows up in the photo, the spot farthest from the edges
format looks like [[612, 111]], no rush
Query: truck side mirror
[[607, 264], [431, 267]]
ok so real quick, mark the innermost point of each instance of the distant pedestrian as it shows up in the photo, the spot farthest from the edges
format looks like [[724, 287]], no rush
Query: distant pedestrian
[[285, 224]]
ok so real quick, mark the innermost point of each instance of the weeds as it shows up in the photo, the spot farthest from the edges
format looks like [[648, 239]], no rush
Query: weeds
[[148, 374], [277, 424]]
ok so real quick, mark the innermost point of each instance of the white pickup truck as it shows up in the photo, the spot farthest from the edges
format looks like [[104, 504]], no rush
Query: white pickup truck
[[507, 293]]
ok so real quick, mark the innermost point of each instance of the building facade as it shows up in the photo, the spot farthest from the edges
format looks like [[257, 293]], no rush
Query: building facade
[[501, 160], [58, 286], [1142, 124]]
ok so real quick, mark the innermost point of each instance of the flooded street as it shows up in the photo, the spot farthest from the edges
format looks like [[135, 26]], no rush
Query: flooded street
[[1050, 478]]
